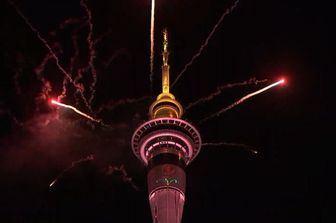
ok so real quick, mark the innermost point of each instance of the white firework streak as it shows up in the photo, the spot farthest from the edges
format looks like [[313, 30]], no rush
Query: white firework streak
[[242, 100], [76, 110], [152, 43]]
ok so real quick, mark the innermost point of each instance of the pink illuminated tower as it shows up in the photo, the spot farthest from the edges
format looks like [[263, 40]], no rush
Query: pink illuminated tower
[[166, 144]]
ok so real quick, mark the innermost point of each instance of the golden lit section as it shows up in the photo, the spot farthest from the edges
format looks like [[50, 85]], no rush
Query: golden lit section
[[165, 66], [165, 105]]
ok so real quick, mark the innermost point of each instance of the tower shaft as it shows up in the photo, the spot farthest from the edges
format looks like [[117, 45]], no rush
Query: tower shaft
[[166, 180]]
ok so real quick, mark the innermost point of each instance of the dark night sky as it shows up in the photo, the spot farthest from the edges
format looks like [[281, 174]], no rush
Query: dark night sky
[[286, 182]]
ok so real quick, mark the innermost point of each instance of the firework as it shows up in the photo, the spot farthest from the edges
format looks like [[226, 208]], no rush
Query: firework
[[220, 89], [242, 100], [75, 110], [152, 43]]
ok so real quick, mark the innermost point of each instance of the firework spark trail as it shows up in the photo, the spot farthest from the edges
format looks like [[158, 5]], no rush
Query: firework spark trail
[[76, 110], [92, 51], [64, 89], [221, 88], [227, 11], [102, 37], [125, 177], [46, 44], [242, 100], [115, 55], [41, 67], [69, 21], [44, 94], [63, 25], [78, 75], [46, 86], [16, 81], [227, 144], [73, 164], [74, 38], [152, 44], [113, 104], [44, 41]]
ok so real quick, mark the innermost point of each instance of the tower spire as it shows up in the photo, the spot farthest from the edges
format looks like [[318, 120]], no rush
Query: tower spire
[[165, 105]]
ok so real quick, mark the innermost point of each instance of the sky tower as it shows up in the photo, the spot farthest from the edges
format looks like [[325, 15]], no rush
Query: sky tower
[[166, 144]]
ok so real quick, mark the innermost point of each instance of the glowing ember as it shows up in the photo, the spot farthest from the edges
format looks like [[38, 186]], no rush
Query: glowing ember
[[52, 183]]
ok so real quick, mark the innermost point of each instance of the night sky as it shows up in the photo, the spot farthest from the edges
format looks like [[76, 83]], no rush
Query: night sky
[[287, 181]]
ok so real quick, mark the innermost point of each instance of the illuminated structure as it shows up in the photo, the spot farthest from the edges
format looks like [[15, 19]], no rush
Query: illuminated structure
[[166, 144]]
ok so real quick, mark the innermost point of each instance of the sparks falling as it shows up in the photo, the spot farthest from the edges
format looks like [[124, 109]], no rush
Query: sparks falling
[[75, 110], [152, 43], [242, 100], [226, 12]]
